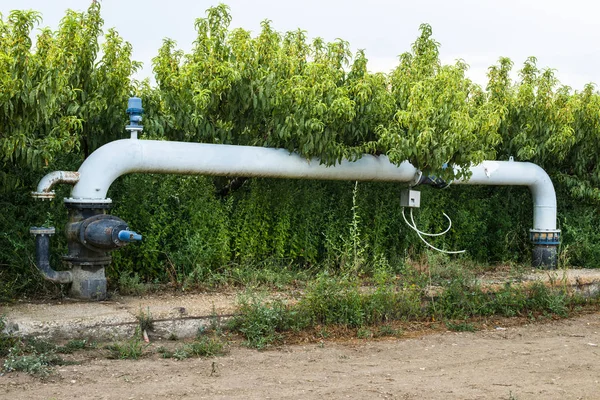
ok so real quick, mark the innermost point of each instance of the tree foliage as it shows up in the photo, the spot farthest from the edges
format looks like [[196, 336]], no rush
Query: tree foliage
[[65, 96], [59, 96]]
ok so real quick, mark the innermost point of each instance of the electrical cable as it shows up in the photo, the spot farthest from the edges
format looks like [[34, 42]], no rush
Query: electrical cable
[[414, 228], [414, 225]]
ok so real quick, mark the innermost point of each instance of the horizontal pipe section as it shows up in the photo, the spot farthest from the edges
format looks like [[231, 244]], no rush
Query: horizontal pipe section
[[126, 156], [121, 157]]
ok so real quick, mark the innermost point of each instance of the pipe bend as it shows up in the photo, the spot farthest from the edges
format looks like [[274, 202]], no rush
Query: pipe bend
[[44, 188], [514, 173], [42, 256]]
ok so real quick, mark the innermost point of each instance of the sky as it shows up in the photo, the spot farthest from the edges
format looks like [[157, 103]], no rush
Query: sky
[[562, 35]]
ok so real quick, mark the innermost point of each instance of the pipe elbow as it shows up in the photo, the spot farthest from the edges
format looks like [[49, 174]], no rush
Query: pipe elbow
[[58, 276], [542, 186], [44, 188], [104, 166], [42, 256]]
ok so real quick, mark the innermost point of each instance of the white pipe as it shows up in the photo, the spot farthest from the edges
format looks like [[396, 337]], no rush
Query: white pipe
[[505, 173], [122, 157], [44, 189]]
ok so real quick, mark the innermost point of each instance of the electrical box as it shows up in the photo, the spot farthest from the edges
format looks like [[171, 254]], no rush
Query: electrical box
[[410, 198]]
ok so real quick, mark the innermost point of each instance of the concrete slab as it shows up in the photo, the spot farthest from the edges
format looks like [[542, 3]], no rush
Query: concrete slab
[[584, 282], [69, 320], [180, 315]]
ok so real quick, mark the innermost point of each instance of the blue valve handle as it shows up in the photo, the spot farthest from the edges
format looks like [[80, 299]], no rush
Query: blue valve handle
[[129, 236]]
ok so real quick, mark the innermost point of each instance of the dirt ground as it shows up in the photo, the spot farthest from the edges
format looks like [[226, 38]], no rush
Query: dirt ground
[[553, 360]]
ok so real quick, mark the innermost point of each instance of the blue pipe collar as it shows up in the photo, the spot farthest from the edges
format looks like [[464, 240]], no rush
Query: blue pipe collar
[[547, 238]]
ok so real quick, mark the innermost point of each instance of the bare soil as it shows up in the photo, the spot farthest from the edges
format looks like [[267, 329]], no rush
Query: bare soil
[[552, 360]]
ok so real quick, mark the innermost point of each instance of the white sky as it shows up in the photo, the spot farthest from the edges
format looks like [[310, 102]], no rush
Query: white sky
[[563, 35]]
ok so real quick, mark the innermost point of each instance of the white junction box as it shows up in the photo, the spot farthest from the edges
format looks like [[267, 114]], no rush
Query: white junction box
[[410, 198]]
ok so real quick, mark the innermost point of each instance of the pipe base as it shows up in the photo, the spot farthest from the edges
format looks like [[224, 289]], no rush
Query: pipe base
[[545, 256], [89, 282]]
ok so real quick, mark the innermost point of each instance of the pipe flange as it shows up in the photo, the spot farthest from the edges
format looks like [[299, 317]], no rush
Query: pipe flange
[[42, 230], [545, 237], [87, 261], [88, 206], [71, 202], [43, 195], [416, 179]]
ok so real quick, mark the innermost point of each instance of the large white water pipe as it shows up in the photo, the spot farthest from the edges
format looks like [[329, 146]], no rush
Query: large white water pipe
[[109, 162], [121, 157]]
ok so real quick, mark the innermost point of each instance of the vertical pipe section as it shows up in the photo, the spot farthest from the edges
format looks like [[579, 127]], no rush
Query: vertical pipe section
[[544, 235], [42, 256]]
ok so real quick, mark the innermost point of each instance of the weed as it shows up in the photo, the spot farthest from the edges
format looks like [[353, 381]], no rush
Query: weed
[[364, 333], [180, 353], [74, 345], [36, 364], [460, 326], [164, 352], [323, 333], [202, 347], [38, 346], [30, 355], [130, 349], [131, 285], [271, 273], [145, 320], [260, 322], [6, 341], [334, 300], [206, 347], [388, 330], [215, 323], [544, 299]]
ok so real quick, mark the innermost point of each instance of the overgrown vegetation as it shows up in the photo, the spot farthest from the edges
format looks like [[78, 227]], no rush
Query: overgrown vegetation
[[369, 310], [131, 349], [66, 96], [39, 357], [34, 356], [380, 306]]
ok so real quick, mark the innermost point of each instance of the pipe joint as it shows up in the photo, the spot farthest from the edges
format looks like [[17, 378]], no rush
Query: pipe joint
[[545, 237]]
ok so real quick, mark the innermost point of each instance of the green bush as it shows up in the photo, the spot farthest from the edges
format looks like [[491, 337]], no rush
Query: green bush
[[66, 96]]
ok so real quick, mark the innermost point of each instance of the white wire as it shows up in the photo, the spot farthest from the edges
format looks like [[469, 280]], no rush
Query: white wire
[[414, 225], [414, 228]]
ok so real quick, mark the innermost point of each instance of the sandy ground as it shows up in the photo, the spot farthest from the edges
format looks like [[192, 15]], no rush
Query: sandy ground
[[554, 360]]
